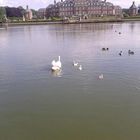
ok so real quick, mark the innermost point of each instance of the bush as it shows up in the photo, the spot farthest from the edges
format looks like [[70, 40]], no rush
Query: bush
[[125, 15]]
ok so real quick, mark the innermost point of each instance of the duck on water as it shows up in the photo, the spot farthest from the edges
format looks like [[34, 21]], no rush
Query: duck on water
[[130, 52]]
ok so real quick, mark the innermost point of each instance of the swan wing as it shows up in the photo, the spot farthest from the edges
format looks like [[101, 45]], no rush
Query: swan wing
[[58, 64], [53, 63]]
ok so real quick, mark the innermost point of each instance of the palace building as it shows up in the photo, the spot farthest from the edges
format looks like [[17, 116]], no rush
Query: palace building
[[133, 10], [28, 13], [83, 8]]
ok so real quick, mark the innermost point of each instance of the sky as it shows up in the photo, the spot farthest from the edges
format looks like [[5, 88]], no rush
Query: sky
[[36, 4]]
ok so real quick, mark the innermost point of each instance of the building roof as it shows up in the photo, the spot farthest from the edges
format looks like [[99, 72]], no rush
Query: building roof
[[133, 6], [117, 7], [83, 2], [42, 10], [50, 6]]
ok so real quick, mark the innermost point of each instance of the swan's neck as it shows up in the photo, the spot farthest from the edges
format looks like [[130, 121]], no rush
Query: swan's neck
[[59, 58]]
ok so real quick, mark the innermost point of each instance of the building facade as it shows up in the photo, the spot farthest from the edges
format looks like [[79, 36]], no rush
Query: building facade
[[133, 10], [28, 14], [83, 8], [41, 13]]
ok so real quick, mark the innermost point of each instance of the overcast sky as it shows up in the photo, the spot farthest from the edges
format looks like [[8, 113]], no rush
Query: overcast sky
[[36, 4]]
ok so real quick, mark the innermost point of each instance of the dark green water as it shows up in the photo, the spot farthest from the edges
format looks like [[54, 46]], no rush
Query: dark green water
[[36, 104]]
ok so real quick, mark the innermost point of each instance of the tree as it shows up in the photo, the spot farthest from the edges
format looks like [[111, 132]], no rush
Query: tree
[[139, 9], [22, 10], [34, 12], [13, 12], [2, 13]]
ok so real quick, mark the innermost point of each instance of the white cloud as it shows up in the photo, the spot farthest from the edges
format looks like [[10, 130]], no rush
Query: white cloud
[[2, 2], [124, 3], [44, 3], [32, 3]]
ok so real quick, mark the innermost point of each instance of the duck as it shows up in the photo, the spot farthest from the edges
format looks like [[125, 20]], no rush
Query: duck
[[120, 53], [75, 63], [120, 33], [101, 76], [80, 67], [107, 49], [130, 52], [103, 49], [56, 65]]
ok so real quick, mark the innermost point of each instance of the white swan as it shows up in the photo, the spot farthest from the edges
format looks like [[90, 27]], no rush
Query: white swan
[[80, 67], [101, 76], [75, 63], [56, 65]]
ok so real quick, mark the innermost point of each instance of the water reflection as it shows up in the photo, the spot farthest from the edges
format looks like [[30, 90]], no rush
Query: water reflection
[[56, 73], [132, 26]]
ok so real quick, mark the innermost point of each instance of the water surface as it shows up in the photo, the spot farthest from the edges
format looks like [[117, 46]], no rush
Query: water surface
[[72, 105]]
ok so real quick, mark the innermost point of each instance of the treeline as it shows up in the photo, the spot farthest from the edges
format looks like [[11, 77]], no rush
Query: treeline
[[10, 12], [14, 12], [2, 13]]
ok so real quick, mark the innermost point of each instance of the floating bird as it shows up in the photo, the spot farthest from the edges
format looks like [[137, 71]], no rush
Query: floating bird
[[120, 33], [101, 76], [75, 63], [130, 52], [56, 65], [80, 67], [120, 53], [105, 49]]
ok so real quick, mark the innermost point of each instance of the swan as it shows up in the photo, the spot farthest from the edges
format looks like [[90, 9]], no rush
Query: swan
[[80, 67], [101, 76], [56, 65], [75, 63]]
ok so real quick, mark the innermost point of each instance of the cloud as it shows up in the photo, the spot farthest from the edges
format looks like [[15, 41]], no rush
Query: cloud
[[2, 2], [44, 3], [124, 3], [32, 3]]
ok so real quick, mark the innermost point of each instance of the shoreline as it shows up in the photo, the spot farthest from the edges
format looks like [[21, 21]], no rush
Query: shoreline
[[71, 22]]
